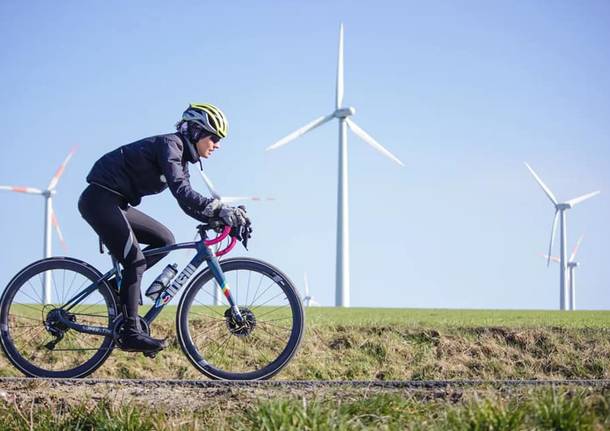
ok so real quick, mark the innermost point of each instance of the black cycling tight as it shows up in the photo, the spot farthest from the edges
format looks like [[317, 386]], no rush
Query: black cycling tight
[[122, 228]]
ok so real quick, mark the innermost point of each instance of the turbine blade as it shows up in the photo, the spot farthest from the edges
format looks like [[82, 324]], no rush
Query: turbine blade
[[30, 190], [553, 258], [209, 185], [61, 169], [230, 199], [548, 261], [306, 284], [372, 142], [546, 190], [579, 199], [576, 247], [315, 123], [58, 229], [339, 99]]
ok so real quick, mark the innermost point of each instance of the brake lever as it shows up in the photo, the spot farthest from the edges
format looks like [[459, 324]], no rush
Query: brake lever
[[243, 234]]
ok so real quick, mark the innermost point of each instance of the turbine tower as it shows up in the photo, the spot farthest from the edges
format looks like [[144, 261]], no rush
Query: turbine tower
[[560, 208], [49, 218], [572, 265], [342, 292], [308, 300]]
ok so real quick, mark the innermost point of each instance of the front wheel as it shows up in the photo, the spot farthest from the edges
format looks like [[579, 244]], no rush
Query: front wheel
[[255, 349]]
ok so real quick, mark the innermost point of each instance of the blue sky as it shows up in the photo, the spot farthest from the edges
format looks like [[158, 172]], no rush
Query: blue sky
[[462, 92]]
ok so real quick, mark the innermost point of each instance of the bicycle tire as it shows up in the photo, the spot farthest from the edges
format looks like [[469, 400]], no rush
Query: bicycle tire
[[293, 304], [7, 320]]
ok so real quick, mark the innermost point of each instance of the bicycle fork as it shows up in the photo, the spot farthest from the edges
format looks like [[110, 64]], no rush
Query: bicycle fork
[[214, 266]]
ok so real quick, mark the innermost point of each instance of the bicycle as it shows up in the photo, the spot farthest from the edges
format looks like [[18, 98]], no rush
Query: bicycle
[[72, 336]]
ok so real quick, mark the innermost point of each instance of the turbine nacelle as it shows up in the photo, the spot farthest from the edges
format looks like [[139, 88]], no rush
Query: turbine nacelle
[[344, 112]]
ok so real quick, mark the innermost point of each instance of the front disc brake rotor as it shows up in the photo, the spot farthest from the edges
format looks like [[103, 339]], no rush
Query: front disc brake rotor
[[240, 329]]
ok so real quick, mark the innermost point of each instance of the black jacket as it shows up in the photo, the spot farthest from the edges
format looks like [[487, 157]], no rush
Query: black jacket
[[149, 166]]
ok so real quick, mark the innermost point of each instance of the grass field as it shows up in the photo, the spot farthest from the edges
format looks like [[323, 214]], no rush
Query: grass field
[[444, 318], [359, 344], [388, 344], [429, 318]]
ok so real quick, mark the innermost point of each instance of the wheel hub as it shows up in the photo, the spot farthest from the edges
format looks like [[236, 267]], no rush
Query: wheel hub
[[53, 322], [237, 328]]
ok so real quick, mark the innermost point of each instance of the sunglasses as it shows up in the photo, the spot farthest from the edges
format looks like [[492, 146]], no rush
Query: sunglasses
[[215, 138]]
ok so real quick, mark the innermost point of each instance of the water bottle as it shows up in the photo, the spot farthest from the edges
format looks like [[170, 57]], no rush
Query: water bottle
[[162, 281]]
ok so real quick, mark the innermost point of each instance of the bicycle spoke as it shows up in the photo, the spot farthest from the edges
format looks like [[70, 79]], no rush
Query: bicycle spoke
[[267, 302], [211, 328], [55, 289], [272, 324], [264, 291], [270, 333], [91, 305], [260, 281], [211, 295], [39, 300], [211, 309], [69, 292], [207, 316]]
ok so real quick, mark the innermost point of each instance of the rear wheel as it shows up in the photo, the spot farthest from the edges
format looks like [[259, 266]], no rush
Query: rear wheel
[[31, 333], [258, 347]]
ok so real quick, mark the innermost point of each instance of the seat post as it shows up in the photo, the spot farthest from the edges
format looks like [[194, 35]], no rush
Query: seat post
[[115, 263]]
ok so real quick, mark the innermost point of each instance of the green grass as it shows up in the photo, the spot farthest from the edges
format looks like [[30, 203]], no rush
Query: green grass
[[539, 409], [432, 318], [457, 318], [395, 344], [443, 318]]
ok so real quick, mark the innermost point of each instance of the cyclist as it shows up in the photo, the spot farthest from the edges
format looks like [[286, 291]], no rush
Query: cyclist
[[119, 180]]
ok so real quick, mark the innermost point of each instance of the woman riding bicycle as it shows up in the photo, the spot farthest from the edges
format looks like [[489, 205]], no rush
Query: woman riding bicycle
[[119, 180]]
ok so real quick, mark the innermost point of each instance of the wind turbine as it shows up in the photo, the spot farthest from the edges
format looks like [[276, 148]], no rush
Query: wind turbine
[[49, 217], [342, 293], [572, 265], [560, 208], [308, 300]]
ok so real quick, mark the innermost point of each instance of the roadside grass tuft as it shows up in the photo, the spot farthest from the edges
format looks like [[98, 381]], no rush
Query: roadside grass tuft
[[486, 415], [563, 411], [479, 410], [80, 417]]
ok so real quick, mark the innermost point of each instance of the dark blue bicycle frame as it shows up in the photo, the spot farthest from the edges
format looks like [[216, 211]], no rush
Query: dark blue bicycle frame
[[204, 253]]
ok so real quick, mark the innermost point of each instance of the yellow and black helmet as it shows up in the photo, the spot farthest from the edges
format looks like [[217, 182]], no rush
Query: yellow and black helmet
[[207, 116]]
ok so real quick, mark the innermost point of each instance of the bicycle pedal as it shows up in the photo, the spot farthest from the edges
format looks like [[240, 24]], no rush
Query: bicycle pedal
[[150, 355]]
